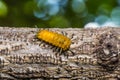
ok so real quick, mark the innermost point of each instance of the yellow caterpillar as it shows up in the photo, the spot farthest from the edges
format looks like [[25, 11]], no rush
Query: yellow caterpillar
[[55, 39]]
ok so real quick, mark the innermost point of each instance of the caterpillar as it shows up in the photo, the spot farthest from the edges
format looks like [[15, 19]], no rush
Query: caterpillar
[[55, 39]]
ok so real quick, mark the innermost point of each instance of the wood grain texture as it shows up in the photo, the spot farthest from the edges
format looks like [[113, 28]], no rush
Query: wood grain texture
[[24, 57]]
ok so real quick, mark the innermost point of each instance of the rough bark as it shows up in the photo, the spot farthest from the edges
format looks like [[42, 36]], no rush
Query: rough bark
[[93, 55]]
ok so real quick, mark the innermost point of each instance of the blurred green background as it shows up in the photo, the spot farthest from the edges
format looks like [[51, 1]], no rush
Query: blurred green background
[[58, 13]]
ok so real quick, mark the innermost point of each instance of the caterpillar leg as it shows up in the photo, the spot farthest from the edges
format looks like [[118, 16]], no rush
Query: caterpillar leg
[[69, 53], [64, 33], [61, 50], [57, 51], [73, 53], [44, 45]]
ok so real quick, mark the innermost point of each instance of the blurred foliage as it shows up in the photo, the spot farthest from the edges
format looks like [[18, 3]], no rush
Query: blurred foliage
[[58, 13], [3, 9]]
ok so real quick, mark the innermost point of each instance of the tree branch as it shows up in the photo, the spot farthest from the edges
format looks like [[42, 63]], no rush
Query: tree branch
[[93, 54]]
